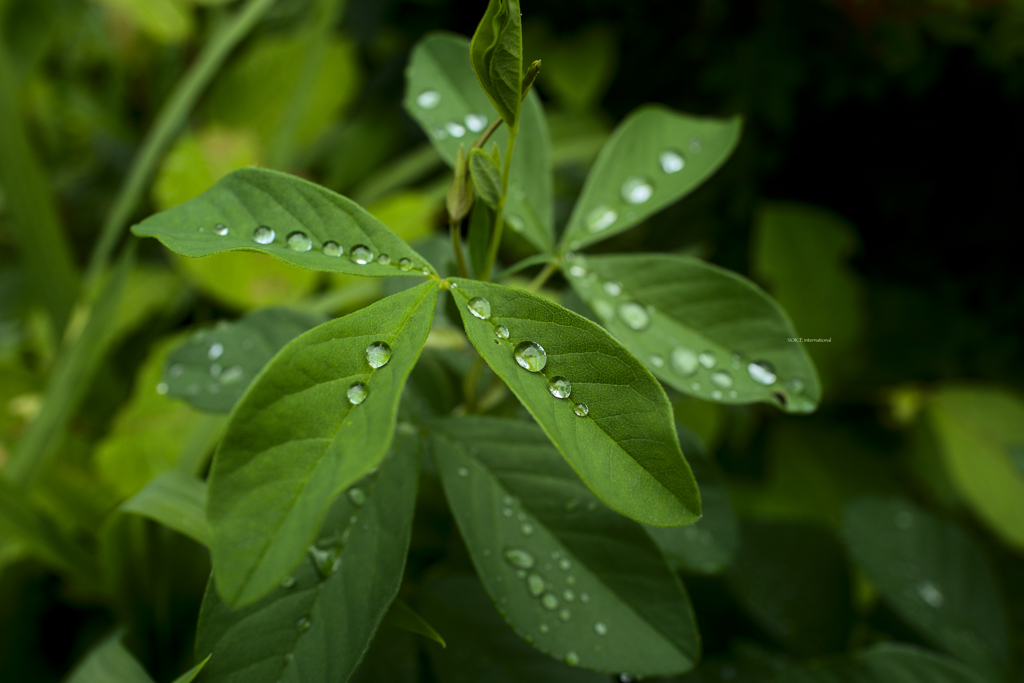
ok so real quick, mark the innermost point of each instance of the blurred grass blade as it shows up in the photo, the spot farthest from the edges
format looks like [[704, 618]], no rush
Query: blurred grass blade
[[319, 417], [496, 53], [615, 428], [176, 500], [699, 328], [654, 158], [481, 222], [404, 617], [42, 245], [287, 217], [888, 662]]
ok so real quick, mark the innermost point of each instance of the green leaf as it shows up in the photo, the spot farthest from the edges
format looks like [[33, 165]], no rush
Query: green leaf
[[176, 500], [404, 617], [109, 661], [486, 175], [701, 329], [887, 662], [578, 581], [296, 440], [654, 158], [980, 432], [625, 447], [496, 52], [933, 576], [481, 647], [442, 95], [165, 21], [793, 581], [213, 368], [708, 546], [318, 623], [251, 203]]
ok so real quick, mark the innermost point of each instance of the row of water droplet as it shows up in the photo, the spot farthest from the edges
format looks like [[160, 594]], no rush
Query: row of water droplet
[[298, 241], [428, 100], [528, 355], [219, 375], [377, 356], [684, 361]]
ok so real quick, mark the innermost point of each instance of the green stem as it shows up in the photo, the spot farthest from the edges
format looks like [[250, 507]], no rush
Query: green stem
[[169, 121], [542, 276], [460, 258], [492, 252]]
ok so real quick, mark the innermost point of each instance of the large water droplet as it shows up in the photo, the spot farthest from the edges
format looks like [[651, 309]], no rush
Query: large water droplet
[[480, 307], [634, 315], [501, 332], [571, 658], [519, 558], [601, 218], [476, 122], [405, 264], [581, 409], [549, 601], [762, 372], [263, 235], [361, 254], [535, 582], [378, 354], [930, 593], [216, 351], [707, 359], [721, 378], [637, 190], [601, 629], [384, 260], [220, 230], [613, 288], [559, 387], [298, 241], [303, 624], [684, 361], [531, 356], [671, 161], [332, 249], [357, 393], [428, 99]]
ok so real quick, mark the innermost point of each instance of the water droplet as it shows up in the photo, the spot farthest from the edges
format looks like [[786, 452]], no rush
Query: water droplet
[[695, 386], [762, 372], [568, 595], [549, 601], [565, 564], [288, 582], [162, 388], [733, 394], [584, 597], [405, 264], [565, 615], [476, 122], [428, 99], [455, 129], [721, 378], [517, 223], [695, 146], [716, 394], [625, 678], [357, 393], [904, 519], [931, 594], [637, 190], [571, 658], [634, 315], [559, 387], [298, 241], [601, 629], [544, 628], [216, 351], [526, 529], [501, 332], [332, 249], [581, 409], [707, 359], [220, 229], [175, 370], [216, 369], [361, 254], [601, 218], [535, 583], [463, 471], [425, 270], [480, 307], [303, 624], [326, 561], [507, 512], [795, 385], [357, 496], [577, 271], [657, 361], [613, 288], [684, 361], [384, 260], [263, 235], [671, 161], [519, 558], [378, 354], [531, 356], [440, 134]]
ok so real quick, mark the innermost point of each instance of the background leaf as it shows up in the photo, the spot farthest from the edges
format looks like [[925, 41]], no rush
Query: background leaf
[[933, 576], [296, 439], [296, 218], [654, 158], [496, 52], [486, 176], [624, 444], [701, 329], [317, 625], [213, 368], [575, 579], [443, 96], [110, 661], [404, 617], [176, 500], [884, 662]]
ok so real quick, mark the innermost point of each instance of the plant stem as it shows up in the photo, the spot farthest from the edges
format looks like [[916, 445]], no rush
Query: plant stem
[[542, 276], [499, 224], [460, 258]]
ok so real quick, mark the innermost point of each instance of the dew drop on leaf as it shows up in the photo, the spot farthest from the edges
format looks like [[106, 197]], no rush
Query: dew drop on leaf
[[601, 218], [463, 471], [716, 394], [601, 629], [721, 378], [565, 564], [516, 223], [405, 264], [216, 351], [535, 584], [671, 161], [162, 388], [637, 190], [361, 254], [216, 369], [384, 260], [519, 558], [526, 529], [795, 385], [577, 271], [581, 409], [378, 354], [357, 393], [707, 359], [501, 332], [634, 315], [357, 496], [657, 361], [332, 249], [298, 241], [428, 99], [559, 387], [684, 361], [455, 129], [565, 615], [480, 307], [476, 122], [571, 658], [931, 594], [568, 595], [584, 597], [531, 356], [544, 628], [762, 372], [288, 582], [549, 601], [220, 230], [263, 235], [303, 624], [613, 288]]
